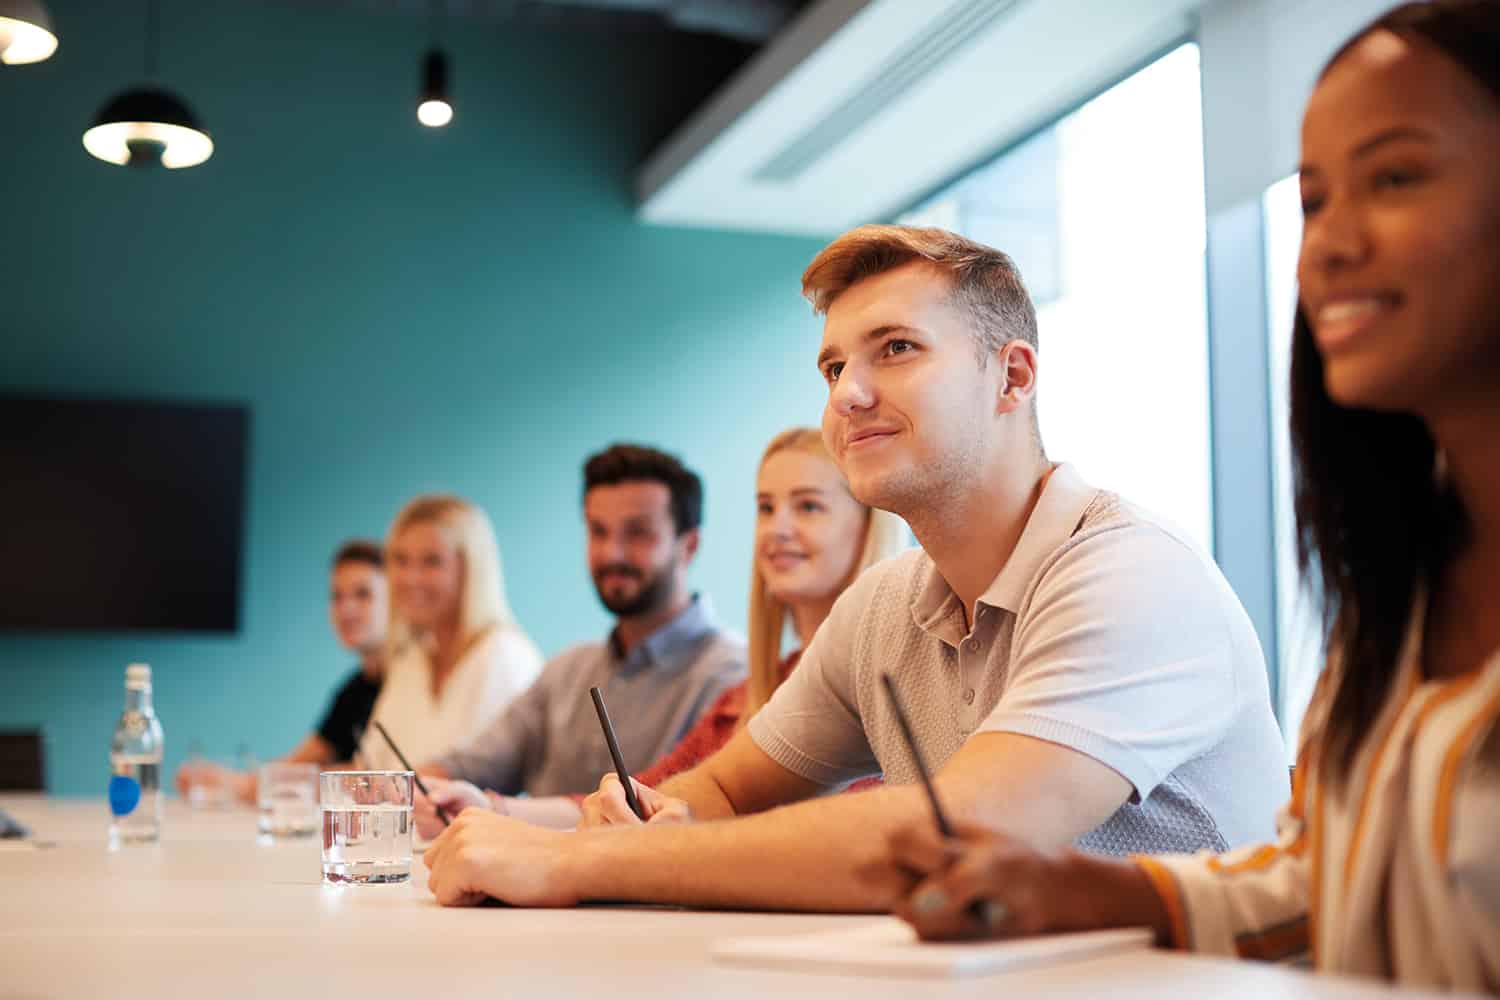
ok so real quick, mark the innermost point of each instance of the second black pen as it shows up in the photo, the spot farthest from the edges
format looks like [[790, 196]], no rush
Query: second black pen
[[614, 753]]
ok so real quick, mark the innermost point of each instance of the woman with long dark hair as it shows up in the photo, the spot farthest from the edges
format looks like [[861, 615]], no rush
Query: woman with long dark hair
[[1388, 859]]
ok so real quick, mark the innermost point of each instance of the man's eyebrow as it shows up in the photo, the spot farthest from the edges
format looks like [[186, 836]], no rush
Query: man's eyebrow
[[829, 353]]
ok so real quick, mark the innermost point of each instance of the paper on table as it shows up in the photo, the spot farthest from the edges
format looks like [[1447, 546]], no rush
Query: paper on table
[[890, 947]]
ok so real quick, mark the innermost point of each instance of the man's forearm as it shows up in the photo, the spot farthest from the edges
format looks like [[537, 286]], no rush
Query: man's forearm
[[799, 857], [701, 792]]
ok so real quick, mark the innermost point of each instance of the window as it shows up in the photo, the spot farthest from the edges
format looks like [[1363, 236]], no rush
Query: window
[[1104, 214], [1299, 637]]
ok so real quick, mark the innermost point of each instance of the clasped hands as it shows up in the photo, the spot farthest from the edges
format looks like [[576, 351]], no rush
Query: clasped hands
[[485, 853]]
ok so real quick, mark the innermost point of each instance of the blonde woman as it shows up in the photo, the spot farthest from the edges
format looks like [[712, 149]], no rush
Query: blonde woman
[[812, 538], [456, 656]]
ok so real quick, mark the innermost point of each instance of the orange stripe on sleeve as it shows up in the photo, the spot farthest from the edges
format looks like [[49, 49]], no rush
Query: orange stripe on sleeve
[[1315, 819], [1171, 897], [1298, 847], [1299, 782], [1436, 701], [1443, 817]]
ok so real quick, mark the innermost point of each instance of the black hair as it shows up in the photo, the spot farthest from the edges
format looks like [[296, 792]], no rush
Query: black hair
[[1375, 519]]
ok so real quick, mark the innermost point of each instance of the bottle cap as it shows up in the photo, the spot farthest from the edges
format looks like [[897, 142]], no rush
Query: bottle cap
[[138, 675]]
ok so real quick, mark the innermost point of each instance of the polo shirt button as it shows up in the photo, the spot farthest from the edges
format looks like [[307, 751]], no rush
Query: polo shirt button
[[968, 696], [973, 645]]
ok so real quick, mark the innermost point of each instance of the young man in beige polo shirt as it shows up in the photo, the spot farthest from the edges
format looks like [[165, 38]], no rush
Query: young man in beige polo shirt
[[1074, 670]]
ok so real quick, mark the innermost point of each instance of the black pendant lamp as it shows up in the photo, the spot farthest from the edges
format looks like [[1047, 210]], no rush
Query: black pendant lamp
[[148, 126], [435, 109], [26, 34], [435, 106]]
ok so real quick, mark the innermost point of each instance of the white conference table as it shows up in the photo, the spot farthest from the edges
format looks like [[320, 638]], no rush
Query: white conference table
[[209, 912]]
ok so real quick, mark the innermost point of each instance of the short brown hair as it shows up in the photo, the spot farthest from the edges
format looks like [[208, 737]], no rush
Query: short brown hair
[[986, 284], [360, 550], [634, 463]]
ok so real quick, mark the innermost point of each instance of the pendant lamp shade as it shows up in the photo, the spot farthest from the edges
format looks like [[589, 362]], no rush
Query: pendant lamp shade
[[436, 108], [148, 127], [26, 34]]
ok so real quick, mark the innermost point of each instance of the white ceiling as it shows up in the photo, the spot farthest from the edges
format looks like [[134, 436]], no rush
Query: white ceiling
[[860, 107]]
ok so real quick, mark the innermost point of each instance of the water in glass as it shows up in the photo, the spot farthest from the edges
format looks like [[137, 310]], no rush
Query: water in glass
[[366, 843], [287, 798]]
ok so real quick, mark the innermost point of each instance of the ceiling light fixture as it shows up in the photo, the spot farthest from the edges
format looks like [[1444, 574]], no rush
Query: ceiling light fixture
[[436, 110], [26, 34], [435, 106], [148, 126]]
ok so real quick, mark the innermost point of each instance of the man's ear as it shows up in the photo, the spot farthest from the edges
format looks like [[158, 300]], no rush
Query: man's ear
[[689, 541], [1017, 361]]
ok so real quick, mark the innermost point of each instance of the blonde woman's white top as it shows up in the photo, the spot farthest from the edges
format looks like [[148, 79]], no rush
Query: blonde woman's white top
[[489, 675]]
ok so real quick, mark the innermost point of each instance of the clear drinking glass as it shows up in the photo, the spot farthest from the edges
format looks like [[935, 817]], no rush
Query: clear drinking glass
[[204, 783], [287, 798], [366, 826]]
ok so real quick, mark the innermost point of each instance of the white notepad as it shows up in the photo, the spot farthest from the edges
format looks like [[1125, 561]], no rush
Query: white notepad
[[890, 947]]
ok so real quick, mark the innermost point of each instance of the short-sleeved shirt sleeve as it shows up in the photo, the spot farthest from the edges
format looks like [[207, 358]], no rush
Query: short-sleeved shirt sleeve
[[812, 725], [1121, 652]]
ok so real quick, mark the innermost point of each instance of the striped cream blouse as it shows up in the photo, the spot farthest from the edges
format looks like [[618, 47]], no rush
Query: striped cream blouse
[[1395, 872]]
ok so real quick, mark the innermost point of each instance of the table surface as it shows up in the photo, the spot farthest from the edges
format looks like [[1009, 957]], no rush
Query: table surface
[[210, 912]]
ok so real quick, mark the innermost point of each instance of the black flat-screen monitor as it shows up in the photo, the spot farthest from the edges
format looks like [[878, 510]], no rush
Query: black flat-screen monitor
[[121, 515]]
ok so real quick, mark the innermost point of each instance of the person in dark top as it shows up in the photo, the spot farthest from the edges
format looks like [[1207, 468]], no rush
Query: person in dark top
[[357, 603], [344, 723]]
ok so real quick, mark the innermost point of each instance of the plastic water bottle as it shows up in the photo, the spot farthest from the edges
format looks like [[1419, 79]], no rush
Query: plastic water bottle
[[135, 765]]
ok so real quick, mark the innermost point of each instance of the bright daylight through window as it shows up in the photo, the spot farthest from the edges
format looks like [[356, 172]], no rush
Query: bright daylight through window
[[1299, 637], [1104, 214]]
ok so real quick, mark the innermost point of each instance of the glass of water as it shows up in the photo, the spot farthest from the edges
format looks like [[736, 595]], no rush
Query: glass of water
[[286, 796], [366, 826]]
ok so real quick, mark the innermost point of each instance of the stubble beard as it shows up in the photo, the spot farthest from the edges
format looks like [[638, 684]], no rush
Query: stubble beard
[[654, 593], [923, 493]]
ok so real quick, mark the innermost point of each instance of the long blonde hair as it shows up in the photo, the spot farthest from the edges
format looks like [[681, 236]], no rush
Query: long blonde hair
[[885, 535], [482, 606]]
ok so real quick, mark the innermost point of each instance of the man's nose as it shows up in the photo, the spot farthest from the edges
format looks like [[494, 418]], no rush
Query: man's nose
[[852, 392]]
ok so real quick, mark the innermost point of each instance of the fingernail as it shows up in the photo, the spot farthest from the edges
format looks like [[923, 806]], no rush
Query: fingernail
[[995, 912], [930, 901]]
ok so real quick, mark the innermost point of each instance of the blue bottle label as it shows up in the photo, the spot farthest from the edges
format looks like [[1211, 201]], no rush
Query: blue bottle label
[[124, 795]]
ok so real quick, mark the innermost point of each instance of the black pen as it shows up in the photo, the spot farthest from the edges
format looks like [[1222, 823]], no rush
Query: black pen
[[407, 764], [985, 912], [614, 752], [944, 827]]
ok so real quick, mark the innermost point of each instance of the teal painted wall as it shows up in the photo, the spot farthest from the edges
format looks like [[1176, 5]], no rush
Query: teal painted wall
[[403, 310]]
